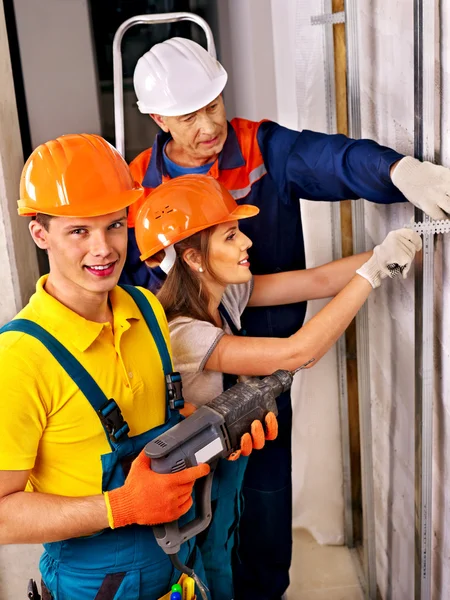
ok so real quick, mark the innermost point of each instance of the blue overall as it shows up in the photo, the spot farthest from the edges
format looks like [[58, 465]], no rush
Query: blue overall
[[114, 564], [218, 544]]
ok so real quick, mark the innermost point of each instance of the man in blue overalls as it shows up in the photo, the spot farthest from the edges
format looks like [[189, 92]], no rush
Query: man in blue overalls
[[83, 377], [179, 85]]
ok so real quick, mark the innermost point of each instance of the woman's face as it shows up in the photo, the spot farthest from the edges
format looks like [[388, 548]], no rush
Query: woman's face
[[228, 253]]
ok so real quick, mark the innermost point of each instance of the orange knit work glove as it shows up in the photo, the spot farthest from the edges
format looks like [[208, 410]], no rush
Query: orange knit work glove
[[149, 498], [258, 437]]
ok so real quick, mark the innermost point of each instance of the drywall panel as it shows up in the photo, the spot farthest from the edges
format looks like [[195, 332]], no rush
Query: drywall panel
[[387, 108], [386, 43], [58, 67], [387, 105]]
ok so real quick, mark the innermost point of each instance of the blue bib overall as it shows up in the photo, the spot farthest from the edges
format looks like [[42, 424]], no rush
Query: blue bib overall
[[114, 564], [219, 543]]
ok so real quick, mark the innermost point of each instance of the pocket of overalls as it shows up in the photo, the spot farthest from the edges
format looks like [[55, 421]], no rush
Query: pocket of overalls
[[76, 585], [119, 586]]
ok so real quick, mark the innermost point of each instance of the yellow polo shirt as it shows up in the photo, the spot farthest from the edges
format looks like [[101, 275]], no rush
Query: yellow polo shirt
[[47, 425]]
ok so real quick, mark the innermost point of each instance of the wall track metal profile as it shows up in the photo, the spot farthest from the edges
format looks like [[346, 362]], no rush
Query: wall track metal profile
[[328, 20], [362, 319], [119, 123], [424, 149]]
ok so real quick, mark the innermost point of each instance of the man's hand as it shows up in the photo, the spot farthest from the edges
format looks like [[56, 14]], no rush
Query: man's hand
[[398, 248], [149, 498], [424, 184]]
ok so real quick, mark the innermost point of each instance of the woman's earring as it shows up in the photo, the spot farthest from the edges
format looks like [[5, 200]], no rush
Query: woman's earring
[[200, 269]]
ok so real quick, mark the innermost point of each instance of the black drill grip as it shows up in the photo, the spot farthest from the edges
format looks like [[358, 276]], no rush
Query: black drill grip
[[249, 401]]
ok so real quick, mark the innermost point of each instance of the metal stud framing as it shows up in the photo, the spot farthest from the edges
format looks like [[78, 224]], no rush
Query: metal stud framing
[[362, 319], [424, 148], [330, 91]]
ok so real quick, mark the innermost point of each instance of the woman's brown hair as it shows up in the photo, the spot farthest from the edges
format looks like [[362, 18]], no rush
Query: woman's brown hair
[[183, 294]]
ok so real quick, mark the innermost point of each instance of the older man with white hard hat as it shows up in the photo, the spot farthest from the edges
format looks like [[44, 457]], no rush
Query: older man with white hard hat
[[179, 85]]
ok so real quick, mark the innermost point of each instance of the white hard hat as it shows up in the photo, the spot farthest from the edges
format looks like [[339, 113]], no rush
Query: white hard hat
[[177, 77]]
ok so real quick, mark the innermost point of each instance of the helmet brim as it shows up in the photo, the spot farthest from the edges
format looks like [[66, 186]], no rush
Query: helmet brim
[[244, 211], [199, 100], [93, 208]]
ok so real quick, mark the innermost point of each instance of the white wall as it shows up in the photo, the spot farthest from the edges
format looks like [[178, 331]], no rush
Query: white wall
[[386, 39], [261, 50], [246, 40], [58, 67], [283, 18], [18, 262], [18, 274], [61, 95]]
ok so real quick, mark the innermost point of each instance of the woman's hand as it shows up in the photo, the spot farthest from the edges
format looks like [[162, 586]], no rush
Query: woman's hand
[[396, 253]]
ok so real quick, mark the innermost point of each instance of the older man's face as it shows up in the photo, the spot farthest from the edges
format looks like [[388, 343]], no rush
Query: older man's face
[[198, 137]]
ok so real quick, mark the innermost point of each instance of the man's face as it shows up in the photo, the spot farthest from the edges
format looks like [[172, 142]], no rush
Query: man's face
[[86, 254], [199, 135]]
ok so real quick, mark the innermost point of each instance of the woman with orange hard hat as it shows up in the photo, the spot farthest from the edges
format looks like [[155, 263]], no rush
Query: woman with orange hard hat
[[190, 227]]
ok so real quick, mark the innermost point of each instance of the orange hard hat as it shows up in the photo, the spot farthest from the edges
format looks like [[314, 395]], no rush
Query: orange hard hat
[[181, 207], [79, 175]]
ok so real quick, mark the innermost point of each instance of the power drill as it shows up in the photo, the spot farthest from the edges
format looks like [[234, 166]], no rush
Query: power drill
[[212, 432]]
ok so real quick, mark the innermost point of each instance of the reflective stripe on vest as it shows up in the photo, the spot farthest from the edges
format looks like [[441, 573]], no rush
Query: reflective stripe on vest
[[253, 177]]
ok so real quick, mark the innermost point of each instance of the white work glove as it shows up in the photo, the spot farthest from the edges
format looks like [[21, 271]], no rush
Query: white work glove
[[394, 255], [425, 185]]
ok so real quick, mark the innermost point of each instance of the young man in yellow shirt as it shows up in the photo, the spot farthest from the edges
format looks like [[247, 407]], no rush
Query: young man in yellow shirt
[[82, 374]]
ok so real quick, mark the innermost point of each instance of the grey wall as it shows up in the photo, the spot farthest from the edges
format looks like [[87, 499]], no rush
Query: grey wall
[[18, 274], [246, 43], [58, 67], [386, 76], [386, 46]]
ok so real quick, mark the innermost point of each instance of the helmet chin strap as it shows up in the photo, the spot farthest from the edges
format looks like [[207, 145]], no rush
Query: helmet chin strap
[[169, 259]]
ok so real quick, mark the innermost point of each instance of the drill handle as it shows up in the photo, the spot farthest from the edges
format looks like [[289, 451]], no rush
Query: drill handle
[[170, 536]]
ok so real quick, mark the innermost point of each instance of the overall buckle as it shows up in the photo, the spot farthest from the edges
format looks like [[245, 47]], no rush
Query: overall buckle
[[113, 421], [174, 388]]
